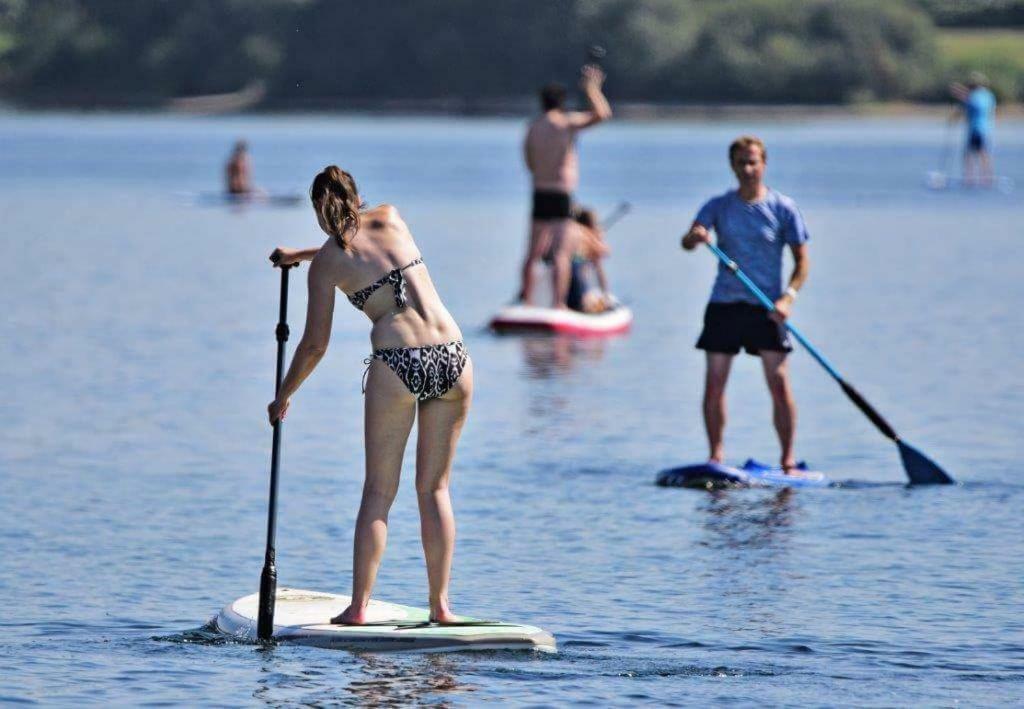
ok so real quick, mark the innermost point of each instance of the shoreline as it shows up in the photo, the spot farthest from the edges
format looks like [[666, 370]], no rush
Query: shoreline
[[444, 108]]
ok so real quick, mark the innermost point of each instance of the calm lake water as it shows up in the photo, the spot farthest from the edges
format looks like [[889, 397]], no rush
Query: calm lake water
[[134, 454]]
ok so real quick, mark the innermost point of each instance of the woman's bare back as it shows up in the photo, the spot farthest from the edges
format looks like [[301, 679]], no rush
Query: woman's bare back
[[382, 245]]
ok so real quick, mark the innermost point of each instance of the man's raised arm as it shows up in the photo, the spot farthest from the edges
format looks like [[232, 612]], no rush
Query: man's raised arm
[[600, 109]]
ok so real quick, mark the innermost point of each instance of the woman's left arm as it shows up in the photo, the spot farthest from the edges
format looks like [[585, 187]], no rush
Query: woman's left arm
[[284, 256], [313, 345]]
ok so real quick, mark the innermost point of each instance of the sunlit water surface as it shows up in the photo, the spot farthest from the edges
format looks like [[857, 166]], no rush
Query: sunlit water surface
[[138, 346]]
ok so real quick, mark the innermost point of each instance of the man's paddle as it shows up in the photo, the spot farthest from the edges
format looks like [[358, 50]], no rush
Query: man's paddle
[[268, 579], [921, 470]]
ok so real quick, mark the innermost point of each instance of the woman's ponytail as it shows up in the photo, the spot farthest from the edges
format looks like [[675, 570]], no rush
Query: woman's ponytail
[[336, 200]]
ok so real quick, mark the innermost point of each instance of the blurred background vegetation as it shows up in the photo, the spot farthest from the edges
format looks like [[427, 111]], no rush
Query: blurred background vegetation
[[476, 54]]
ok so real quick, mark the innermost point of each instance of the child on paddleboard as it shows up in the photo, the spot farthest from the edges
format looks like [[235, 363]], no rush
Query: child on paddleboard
[[588, 288]]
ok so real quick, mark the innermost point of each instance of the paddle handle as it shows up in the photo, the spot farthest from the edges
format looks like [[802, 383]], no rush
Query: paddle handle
[[268, 578]]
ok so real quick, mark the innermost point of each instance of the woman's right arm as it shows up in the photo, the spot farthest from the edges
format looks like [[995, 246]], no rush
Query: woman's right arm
[[284, 256], [313, 345]]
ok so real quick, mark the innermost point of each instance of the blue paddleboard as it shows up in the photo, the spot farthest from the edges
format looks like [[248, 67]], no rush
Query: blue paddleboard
[[752, 474]]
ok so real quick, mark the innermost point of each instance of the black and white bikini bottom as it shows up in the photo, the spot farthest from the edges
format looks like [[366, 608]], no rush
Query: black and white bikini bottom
[[429, 371]]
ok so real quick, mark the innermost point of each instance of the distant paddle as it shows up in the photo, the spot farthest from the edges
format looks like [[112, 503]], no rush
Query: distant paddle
[[268, 579], [939, 179], [618, 213], [921, 470]]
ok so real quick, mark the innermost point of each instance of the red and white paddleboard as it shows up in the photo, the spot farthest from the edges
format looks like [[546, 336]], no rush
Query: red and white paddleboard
[[528, 317]]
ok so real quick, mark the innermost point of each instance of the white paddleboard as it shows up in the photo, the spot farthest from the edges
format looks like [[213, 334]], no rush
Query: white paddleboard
[[303, 618], [254, 199], [529, 317], [938, 181]]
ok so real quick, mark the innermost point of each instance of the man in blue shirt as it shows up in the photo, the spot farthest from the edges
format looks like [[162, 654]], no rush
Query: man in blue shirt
[[753, 224], [979, 107]]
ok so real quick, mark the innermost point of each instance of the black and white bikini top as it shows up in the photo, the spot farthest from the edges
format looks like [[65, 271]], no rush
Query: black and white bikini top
[[394, 277]]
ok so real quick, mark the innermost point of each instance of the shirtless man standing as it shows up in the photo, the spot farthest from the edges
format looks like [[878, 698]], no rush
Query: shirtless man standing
[[550, 150]]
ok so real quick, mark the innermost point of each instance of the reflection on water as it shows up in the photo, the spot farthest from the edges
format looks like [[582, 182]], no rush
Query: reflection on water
[[310, 676], [547, 356], [738, 519], [390, 681], [555, 356], [747, 552]]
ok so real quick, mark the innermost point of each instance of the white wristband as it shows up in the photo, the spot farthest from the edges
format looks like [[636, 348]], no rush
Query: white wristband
[[791, 292]]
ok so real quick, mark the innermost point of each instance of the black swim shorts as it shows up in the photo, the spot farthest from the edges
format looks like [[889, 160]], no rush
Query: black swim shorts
[[976, 141], [730, 326], [549, 204]]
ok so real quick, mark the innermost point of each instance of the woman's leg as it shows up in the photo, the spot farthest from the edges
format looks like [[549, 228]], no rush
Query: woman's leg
[[390, 411], [439, 428]]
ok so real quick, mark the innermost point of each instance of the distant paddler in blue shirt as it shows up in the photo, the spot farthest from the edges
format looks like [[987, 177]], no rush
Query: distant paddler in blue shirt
[[753, 224], [978, 104]]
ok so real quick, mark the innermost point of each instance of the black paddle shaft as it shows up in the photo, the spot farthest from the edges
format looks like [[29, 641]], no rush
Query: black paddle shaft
[[868, 410], [268, 579]]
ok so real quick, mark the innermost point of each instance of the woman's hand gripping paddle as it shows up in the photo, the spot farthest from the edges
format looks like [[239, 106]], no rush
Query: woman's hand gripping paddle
[[921, 470]]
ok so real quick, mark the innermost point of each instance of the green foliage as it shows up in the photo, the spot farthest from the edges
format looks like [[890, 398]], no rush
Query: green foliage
[[975, 13], [645, 40], [997, 53], [413, 49], [809, 51], [103, 51], [334, 52]]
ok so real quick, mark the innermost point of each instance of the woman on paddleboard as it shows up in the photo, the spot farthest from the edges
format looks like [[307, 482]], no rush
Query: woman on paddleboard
[[419, 366]]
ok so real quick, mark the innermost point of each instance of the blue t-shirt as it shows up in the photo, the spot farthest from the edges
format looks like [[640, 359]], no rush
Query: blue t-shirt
[[978, 109], [753, 235]]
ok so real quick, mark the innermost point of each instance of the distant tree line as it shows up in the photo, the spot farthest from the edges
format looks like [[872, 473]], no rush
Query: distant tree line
[[313, 53], [975, 13]]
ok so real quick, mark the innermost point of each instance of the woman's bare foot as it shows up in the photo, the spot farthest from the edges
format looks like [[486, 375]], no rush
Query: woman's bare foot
[[350, 616], [789, 468], [441, 614]]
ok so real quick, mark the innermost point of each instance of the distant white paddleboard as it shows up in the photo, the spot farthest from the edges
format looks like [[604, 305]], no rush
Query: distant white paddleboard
[[529, 317], [936, 180], [302, 617], [254, 199]]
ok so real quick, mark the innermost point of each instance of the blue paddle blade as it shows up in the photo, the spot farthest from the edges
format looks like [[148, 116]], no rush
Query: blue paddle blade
[[922, 470]]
